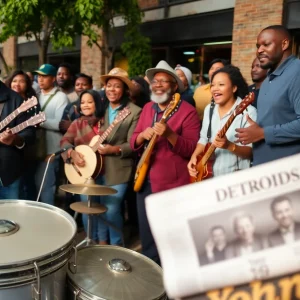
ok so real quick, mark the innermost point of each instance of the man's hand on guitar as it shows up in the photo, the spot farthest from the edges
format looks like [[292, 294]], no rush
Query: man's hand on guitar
[[192, 166], [78, 158], [10, 139], [221, 142], [162, 129], [148, 133]]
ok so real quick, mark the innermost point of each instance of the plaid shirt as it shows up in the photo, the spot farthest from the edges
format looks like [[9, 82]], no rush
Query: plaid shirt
[[80, 132]]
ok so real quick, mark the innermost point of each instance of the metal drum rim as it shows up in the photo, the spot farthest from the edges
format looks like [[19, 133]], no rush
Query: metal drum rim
[[65, 248], [90, 296], [47, 268], [25, 280], [85, 295]]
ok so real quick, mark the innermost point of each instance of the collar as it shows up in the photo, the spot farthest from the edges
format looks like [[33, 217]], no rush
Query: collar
[[113, 109], [92, 120], [287, 230], [280, 69], [156, 108], [237, 102], [53, 91]]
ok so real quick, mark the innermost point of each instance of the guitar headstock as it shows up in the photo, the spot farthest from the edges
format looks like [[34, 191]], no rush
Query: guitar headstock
[[31, 102], [122, 114], [245, 102], [37, 119], [172, 105]]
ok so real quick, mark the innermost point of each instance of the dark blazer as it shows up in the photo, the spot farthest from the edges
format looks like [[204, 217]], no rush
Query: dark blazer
[[11, 158], [234, 248], [275, 238], [119, 169], [218, 256]]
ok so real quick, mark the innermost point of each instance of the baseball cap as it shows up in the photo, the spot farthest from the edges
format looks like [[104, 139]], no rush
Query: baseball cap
[[46, 69]]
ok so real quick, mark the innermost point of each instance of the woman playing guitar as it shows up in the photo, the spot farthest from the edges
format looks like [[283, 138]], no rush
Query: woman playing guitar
[[228, 88], [115, 151]]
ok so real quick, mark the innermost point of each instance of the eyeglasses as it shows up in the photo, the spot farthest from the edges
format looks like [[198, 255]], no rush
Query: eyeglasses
[[161, 82]]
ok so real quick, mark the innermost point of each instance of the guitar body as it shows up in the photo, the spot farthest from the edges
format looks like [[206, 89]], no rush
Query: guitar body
[[92, 168], [205, 170], [144, 163]]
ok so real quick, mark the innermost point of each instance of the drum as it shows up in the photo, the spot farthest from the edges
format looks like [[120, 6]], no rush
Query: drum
[[113, 273], [36, 243]]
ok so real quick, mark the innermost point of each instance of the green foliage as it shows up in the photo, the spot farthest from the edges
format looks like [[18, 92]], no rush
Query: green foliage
[[62, 20], [136, 46]]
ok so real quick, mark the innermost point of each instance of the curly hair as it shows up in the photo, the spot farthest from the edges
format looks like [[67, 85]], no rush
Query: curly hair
[[29, 92], [236, 79]]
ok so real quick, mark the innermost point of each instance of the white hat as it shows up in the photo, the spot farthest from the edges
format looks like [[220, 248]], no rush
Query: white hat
[[164, 67], [187, 72]]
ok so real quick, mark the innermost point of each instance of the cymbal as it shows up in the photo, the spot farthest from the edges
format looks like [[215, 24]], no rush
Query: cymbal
[[88, 189], [82, 207]]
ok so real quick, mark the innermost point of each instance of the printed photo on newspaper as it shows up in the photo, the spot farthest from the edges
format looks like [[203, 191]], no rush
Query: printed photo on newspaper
[[229, 230]]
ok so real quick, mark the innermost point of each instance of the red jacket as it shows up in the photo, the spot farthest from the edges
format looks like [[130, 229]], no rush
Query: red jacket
[[169, 164]]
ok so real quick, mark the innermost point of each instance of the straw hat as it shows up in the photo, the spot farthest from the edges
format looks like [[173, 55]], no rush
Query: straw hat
[[119, 74], [163, 67]]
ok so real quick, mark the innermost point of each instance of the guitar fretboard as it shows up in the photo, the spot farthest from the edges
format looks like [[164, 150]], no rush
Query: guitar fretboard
[[9, 118], [222, 133], [104, 135]]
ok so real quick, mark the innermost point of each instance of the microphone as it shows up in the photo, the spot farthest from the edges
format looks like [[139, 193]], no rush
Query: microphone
[[61, 151]]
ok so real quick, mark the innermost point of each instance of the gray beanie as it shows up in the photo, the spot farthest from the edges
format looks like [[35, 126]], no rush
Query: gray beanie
[[187, 73]]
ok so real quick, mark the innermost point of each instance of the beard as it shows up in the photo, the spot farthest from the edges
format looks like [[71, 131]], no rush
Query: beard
[[159, 99]]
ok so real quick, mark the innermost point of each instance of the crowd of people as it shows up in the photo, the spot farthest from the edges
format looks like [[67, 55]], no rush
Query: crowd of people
[[75, 113]]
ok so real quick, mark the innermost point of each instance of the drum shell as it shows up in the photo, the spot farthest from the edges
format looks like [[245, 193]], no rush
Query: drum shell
[[20, 271], [77, 291], [52, 287]]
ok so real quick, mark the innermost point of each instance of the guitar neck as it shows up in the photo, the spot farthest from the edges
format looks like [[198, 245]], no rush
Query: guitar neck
[[19, 127], [227, 125], [104, 135], [221, 134], [9, 118]]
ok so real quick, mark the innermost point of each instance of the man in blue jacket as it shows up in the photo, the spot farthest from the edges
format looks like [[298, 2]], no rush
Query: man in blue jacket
[[277, 131]]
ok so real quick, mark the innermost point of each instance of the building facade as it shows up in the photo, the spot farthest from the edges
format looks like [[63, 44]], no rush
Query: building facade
[[190, 33]]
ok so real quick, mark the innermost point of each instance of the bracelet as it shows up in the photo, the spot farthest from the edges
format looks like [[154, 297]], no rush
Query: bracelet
[[20, 147], [233, 148], [119, 151]]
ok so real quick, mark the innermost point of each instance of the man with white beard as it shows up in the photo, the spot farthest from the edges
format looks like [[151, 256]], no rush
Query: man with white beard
[[173, 149]]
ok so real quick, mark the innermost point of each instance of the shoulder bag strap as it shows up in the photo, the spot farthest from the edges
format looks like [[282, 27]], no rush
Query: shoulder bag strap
[[211, 111], [47, 102]]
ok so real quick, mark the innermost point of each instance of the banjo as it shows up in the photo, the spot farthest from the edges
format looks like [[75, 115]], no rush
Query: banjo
[[93, 159]]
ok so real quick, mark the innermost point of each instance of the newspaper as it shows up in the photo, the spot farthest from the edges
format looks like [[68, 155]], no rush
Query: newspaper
[[229, 230]]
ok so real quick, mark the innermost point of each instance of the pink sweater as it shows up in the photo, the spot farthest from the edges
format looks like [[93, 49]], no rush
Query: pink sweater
[[169, 164]]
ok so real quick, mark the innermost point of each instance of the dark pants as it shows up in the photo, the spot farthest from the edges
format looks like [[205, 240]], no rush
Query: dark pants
[[148, 245]]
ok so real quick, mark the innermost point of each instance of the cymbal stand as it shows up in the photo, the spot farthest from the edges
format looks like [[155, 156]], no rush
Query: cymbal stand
[[88, 241]]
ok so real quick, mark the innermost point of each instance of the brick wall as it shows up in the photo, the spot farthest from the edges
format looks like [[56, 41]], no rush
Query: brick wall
[[92, 61], [250, 17], [145, 4]]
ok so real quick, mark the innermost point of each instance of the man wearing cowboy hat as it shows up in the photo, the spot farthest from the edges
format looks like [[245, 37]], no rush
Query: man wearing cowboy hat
[[175, 145]]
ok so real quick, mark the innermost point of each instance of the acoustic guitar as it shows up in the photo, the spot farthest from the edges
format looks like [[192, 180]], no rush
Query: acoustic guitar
[[144, 162], [93, 159], [204, 165], [26, 105], [37, 119]]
